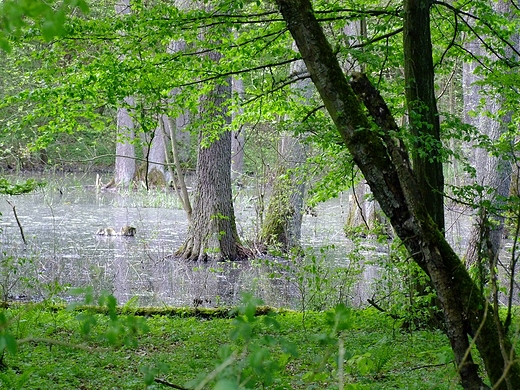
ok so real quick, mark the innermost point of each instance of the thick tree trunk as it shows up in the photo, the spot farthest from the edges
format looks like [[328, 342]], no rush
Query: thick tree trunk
[[385, 165], [422, 107], [212, 233]]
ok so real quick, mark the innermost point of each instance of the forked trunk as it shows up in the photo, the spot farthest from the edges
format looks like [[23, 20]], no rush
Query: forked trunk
[[385, 165]]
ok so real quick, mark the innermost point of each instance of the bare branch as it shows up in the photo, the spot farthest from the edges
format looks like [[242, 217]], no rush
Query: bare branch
[[379, 38]]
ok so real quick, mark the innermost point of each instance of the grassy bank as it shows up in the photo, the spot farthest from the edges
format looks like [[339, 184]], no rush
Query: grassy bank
[[64, 349]]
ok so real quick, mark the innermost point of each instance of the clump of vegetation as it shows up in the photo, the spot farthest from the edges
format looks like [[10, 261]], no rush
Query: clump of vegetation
[[79, 347]]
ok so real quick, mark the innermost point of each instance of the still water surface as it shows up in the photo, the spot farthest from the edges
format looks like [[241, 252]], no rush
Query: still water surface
[[60, 221]]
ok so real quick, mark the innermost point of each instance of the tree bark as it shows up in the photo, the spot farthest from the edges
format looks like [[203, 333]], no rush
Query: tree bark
[[125, 152], [422, 107], [237, 137], [157, 153], [385, 165], [212, 233]]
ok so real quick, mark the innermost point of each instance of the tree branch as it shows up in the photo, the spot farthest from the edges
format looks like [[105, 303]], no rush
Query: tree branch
[[379, 38], [169, 384], [511, 46]]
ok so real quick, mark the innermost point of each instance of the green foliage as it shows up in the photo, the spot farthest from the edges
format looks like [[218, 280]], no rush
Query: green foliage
[[119, 330], [46, 16], [8, 188], [321, 284], [12, 271], [341, 347], [403, 290]]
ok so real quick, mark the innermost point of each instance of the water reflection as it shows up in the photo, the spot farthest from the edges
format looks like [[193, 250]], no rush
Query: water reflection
[[60, 222]]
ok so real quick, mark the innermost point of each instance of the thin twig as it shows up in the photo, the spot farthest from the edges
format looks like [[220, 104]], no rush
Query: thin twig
[[169, 384], [18, 222], [212, 375]]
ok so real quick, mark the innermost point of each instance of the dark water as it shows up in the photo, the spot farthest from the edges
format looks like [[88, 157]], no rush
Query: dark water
[[60, 221]]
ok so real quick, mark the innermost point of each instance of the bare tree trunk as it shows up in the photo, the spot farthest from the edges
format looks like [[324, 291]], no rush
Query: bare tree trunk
[[212, 232], [156, 158], [237, 137], [125, 152], [385, 165]]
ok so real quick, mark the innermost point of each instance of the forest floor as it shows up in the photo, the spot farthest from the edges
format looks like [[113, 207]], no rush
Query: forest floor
[[81, 349]]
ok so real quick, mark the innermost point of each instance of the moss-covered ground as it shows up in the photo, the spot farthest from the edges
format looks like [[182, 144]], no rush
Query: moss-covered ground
[[71, 349]]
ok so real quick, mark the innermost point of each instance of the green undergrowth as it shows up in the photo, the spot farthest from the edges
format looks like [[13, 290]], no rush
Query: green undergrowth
[[253, 347]]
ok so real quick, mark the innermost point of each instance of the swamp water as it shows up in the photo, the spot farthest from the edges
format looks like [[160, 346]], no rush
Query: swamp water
[[60, 220]]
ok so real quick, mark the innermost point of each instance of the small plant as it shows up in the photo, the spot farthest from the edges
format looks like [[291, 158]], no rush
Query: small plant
[[320, 283], [250, 362]]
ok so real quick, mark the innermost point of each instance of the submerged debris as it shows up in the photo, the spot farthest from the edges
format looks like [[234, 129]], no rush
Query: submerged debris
[[126, 231]]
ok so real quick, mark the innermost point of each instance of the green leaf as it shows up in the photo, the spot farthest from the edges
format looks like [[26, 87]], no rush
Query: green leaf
[[226, 384], [7, 341], [10, 343]]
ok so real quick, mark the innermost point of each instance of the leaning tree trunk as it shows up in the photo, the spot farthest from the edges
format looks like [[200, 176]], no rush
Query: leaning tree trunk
[[172, 127], [385, 165], [212, 233]]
